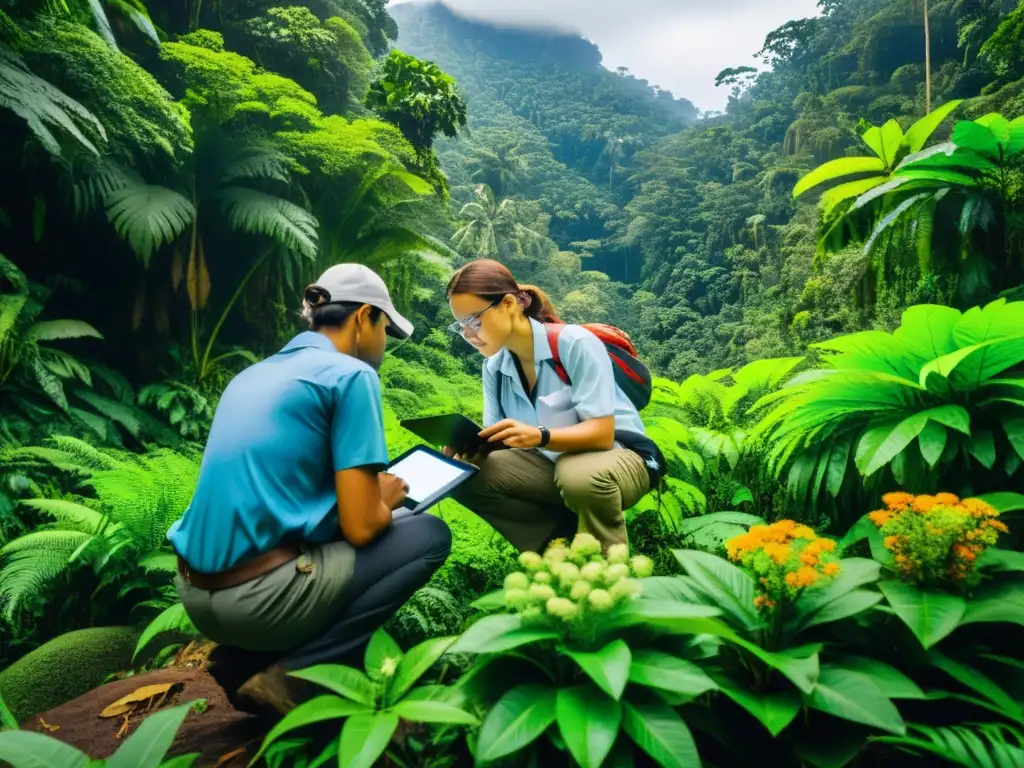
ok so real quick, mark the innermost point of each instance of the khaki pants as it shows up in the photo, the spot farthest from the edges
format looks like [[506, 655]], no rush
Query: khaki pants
[[526, 497]]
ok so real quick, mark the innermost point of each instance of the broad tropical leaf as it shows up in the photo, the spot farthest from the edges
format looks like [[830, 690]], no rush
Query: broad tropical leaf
[[148, 216]]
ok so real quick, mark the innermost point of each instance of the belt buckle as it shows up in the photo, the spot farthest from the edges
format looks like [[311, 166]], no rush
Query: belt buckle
[[303, 564]]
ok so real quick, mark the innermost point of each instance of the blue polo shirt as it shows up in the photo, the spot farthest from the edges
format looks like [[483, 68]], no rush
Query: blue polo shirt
[[283, 427]]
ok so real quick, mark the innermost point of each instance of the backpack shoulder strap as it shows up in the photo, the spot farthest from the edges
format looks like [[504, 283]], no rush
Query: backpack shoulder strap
[[553, 330]]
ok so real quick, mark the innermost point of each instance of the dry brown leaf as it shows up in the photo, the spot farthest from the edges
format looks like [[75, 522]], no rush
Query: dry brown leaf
[[47, 726], [139, 696], [227, 758]]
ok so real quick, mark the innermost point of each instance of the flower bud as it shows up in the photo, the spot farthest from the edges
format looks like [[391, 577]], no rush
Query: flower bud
[[542, 577], [516, 598], [562, 608], [555, 554], [517, 580], [541, 592], [531, 561], [600, 600], [567, 573], [618, 553], [626, 589], [616, 573], [585, 544], [642, 565], [580, 590], [388, 667], [592, 571]]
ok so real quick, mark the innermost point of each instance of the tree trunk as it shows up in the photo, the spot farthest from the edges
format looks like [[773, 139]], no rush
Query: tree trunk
[[927, 62]]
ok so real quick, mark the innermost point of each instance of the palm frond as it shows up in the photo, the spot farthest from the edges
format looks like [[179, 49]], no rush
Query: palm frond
[[93, 180], [148, 216], [256, 162], [259, 213], [43, 106], [991, 745]]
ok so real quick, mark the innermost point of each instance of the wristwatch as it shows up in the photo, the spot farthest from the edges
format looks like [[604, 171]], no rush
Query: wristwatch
[[545, 437]]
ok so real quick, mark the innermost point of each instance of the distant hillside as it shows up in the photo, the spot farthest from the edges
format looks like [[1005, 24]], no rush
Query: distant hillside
[[563, 128]]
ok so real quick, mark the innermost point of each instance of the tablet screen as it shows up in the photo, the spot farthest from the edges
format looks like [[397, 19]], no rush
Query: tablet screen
[[426, 474]]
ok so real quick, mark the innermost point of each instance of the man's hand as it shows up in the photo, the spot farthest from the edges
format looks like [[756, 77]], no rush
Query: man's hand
[[514, 434], [393, 490]]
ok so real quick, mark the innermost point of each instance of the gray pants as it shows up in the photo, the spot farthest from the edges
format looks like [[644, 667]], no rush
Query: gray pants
[[325, 615]]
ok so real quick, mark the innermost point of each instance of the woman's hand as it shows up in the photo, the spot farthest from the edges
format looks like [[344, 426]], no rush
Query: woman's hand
[[475, 459], [514, 434]]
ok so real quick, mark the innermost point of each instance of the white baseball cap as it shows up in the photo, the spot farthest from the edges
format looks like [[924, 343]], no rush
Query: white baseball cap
[[358, 283]]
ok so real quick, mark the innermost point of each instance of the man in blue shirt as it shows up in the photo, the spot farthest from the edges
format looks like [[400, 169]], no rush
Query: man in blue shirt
[[287, 554]]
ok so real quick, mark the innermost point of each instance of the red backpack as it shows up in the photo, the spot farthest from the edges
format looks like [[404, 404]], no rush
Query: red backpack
[[632, 376]]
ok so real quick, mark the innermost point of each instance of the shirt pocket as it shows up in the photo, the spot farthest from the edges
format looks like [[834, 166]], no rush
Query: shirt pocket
[[557, 410]]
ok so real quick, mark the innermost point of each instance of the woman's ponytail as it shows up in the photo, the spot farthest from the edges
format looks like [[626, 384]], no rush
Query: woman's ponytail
[[540, 307]]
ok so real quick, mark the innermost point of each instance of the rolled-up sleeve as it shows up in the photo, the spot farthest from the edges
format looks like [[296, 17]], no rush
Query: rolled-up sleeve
[[590, 370], [491, 411], [357, 426]]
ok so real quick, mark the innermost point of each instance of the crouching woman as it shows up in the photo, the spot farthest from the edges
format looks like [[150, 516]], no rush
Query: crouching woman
[[576, 457]]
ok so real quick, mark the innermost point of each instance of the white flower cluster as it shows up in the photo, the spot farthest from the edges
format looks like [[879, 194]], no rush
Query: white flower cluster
[[571, 582]]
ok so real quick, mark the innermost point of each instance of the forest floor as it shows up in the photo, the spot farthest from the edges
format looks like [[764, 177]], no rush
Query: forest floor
[[99, 721]]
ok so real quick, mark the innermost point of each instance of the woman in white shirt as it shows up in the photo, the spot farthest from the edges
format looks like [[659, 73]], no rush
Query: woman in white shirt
[[567, 469]]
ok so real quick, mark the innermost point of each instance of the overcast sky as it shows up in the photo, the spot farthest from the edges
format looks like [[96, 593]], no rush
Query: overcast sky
[[677, 44]]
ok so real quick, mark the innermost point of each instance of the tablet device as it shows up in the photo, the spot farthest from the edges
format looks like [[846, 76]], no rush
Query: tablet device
[[431, 476], [451, 429]]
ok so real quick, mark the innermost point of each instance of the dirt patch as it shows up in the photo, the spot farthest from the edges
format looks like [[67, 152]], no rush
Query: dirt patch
[[215, 733]]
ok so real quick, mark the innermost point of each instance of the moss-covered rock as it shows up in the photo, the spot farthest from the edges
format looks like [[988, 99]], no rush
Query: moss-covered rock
[[66, 667]]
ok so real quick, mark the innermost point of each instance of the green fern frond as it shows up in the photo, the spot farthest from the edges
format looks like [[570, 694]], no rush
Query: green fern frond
[[148, 216], [72, 516], [259, 213], [32, 561], [98, 179], [87, 456], [165, 562], [43, 106]]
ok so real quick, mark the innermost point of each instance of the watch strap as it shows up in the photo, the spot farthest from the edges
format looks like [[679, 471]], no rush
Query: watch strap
[[545, 437]]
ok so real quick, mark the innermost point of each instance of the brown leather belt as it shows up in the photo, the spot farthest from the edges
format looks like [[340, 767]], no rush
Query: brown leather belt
[[241, 573]]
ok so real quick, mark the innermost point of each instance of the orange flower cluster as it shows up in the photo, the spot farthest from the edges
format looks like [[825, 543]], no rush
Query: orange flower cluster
[[785, 557], [937, 538]]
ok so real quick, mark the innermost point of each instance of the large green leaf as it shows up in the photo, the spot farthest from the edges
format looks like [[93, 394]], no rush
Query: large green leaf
[[852, 604], [589, 723], [499, 633], [843, 192], [515, 721], [433, 712], [978, 682], [381, 647], [879, 450], [364, 739], [666, 672], [670, 615], [995, 559], [931, 616], [148, 745], [417, 661], [972, 136], [855, 697], [659, 731], [834, 169], [52, 330], [28, 749], [316, 710], [919, 133], [608, 667], [995, 602], [344, 681], [730, 588], [1004, 501], [890, 681], [854, 572], [774, 711], [148, 216]]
